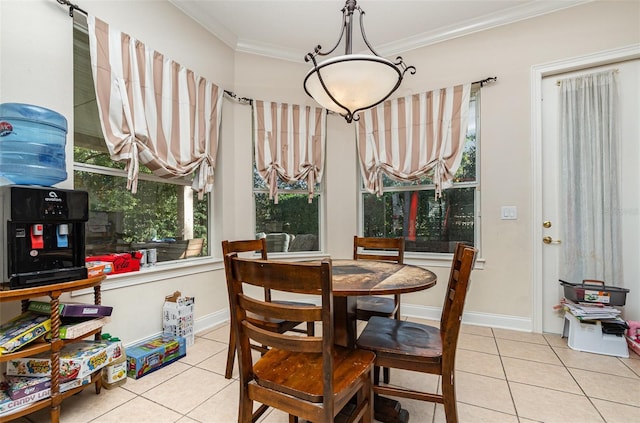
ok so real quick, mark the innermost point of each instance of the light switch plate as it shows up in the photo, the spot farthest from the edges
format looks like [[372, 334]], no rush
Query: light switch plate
[[509, 213]]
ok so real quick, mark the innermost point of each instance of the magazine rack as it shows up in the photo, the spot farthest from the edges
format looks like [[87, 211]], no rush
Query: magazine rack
[[54, 345]]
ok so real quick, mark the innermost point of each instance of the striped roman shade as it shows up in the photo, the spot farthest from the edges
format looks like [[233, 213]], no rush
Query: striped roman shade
[[409, 137], [153, 110], [289, 144]]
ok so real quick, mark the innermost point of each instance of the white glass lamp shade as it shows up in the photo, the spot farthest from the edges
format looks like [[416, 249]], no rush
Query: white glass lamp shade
[[356, 81]]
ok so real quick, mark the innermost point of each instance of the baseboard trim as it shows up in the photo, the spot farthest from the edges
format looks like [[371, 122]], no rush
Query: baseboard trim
[[211, 321], [471, 318], [522, 324]]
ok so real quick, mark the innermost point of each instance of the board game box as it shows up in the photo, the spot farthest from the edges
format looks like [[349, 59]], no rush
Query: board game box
[[22, 330], [77, 360], [20, 386], [77, 327], [71, 309], [9, 405], [148, 356]]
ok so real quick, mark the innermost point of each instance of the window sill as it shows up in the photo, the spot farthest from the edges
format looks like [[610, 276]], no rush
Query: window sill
[[172, 270], [161, 271], [436, 260]]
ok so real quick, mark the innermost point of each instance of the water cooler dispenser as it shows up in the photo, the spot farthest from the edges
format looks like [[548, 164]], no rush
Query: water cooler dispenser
[[44, 235]]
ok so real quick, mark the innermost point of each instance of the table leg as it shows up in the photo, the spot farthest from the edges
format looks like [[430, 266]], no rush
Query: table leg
[[389, 410], [344, 321], [345, 334]]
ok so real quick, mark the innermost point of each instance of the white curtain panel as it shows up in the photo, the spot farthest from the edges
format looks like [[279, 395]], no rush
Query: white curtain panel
[[589, 187], [408, 137], [153, 110], [289, 144]]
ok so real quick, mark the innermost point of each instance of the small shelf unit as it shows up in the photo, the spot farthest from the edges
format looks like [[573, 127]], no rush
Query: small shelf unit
[[54, 345]]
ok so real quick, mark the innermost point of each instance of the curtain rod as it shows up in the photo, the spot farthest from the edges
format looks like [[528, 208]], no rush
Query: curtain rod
[[246, 100], [72, 7], [243, 100], [485, 81]]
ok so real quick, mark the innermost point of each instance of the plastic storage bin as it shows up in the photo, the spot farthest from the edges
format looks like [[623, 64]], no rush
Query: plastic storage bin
[[32, 145], [588, 337], [594, 291]]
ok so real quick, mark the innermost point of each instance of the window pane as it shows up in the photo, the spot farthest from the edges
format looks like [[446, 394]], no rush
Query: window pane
[[427, 224], [164, 215], [160, 215], [259, 183], [289, 226]]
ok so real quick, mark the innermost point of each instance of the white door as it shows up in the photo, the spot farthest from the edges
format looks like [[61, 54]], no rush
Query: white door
[[628, 91]]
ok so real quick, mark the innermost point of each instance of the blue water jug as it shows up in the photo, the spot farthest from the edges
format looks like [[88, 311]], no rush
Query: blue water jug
[[32, 145]]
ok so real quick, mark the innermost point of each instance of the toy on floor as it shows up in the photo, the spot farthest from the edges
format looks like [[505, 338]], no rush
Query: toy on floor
[[633, 336]]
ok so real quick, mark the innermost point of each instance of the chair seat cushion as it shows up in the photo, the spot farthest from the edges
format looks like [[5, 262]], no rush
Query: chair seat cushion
[[372, 305], [390, 336], [300, 374]]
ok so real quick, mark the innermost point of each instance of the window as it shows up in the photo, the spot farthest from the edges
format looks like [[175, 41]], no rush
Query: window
[[164, 213], [292, 225], [410, 209]]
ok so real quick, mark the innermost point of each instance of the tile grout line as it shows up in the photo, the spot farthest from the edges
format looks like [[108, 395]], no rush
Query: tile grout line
[[506, 378]]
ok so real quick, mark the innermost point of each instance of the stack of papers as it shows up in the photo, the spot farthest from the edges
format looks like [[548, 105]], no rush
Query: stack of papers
[[590, 311]]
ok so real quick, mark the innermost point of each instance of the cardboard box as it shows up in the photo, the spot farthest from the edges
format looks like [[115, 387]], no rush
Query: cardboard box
[[22, 330], [177, 316], [149, 356], [77, 360]]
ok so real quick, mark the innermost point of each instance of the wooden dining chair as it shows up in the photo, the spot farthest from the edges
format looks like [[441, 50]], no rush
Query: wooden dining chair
[[422, 348], [274, 325], [385, 249], [307, 377]]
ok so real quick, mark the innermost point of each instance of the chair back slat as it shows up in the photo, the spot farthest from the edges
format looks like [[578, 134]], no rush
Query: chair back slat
[[256, 246], [384, 249], [246, 246], [295, 343], [280, 310], [303, 278]]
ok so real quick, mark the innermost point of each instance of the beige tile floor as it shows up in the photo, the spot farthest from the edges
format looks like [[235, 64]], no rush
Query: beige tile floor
[[502, 376]]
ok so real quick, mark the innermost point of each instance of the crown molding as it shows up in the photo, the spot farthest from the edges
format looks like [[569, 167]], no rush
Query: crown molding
[[481, 23]]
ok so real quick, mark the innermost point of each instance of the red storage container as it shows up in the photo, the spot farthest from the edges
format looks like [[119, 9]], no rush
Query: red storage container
[[121, 262]]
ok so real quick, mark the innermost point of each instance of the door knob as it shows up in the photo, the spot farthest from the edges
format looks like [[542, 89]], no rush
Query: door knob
[[549, 240]]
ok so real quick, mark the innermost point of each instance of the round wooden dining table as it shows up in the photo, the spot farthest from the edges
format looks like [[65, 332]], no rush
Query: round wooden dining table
[[352, 278]]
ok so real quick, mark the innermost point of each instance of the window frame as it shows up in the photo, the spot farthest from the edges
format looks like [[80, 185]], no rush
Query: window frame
[[318, 192], [433, 258]]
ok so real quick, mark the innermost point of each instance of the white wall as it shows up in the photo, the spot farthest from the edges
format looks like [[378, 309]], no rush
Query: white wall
[[36, 68], [37, 34]]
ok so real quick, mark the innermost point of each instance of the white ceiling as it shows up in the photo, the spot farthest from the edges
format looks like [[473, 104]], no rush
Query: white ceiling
[[289, 29]]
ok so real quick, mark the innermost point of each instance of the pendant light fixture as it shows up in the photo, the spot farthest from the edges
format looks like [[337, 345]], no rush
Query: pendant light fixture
[[350, 83]]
